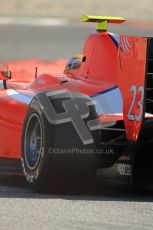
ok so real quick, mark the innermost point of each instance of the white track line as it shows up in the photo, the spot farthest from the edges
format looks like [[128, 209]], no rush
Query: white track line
[[30, 21]]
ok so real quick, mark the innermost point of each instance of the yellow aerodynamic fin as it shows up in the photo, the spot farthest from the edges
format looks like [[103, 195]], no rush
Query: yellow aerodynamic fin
[[102, 21]]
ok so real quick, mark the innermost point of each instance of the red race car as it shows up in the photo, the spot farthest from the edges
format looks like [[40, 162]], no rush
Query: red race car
[[94, 117]]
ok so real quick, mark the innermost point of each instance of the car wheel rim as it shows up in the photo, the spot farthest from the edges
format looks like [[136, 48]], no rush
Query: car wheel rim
[[33, 141]]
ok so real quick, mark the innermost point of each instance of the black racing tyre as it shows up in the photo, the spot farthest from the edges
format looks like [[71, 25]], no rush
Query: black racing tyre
[[51, 160]]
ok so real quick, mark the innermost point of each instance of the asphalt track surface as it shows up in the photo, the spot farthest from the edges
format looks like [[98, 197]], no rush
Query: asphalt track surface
[[101, 208]]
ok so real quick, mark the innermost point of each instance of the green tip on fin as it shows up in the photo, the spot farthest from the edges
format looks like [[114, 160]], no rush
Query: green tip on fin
[[102, 21]]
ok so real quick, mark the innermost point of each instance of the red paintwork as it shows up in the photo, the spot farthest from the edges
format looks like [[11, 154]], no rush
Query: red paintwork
[[96, 74], [101, 61], [131, 71]]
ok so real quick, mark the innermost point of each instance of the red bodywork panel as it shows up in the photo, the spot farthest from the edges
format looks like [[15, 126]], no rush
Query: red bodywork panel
[[101, 59], [131, 81], [12, 114]]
